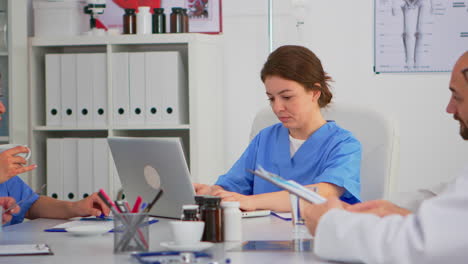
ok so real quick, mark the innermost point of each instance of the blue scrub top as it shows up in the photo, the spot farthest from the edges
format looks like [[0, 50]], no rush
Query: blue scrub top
[[16, 188], [331, 154]]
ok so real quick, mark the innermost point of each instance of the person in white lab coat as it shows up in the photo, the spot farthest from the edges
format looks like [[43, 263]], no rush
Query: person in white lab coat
[[382, 232]]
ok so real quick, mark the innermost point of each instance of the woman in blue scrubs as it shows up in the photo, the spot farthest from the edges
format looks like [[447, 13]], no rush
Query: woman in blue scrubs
[[303, 147]]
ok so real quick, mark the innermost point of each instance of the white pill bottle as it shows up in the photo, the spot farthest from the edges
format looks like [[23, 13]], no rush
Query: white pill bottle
[[232, 217]]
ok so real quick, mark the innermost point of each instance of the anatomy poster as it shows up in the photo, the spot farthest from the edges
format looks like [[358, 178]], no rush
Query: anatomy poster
[[419, 35]]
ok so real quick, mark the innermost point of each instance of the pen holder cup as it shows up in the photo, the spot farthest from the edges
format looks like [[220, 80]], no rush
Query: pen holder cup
[[131, 233], [297, 219]]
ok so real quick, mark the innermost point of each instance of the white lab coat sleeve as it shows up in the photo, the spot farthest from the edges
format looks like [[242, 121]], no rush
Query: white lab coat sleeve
[[436, 233]]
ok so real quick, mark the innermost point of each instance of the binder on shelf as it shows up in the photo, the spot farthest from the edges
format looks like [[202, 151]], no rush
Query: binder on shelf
[[55, 168], [172, 85], [153, 91], [70, 169], [99, 111], [100, 164], [84, 89], [53, 95], [137, 88], [85, 167], [120, 88], [68, 89]]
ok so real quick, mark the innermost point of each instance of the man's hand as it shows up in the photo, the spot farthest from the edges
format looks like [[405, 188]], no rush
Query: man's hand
[[313, 212], [246, 201], [90, 206], [378, 207], [7, 202], [12, 165]]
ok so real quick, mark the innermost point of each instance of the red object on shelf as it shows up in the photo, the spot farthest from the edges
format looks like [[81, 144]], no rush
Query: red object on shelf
[[99, 24], [134, 4]]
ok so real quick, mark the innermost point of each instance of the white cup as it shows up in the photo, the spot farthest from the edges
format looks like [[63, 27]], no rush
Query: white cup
[[187, 232], [25, 155]]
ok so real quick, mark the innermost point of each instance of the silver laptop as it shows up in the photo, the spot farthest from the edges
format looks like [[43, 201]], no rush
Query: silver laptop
[[144, 164]]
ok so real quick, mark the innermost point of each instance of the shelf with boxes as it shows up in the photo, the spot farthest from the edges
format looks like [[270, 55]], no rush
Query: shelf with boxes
[[13, 69], [85, 88]]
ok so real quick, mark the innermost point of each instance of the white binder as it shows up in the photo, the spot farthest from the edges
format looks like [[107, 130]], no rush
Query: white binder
[[99, 110], [54, 168], [85, 167], [70, 169], [120, 89], [153, 100], [68, 89], [137, 88], [100, 165], [174, 89], [53, 98], [84, 89]]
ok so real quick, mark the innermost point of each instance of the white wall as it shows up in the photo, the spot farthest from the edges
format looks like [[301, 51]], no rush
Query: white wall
[[341, 34]]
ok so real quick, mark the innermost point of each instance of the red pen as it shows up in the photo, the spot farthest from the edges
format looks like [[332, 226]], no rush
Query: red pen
[[136, 206], [109, 200]]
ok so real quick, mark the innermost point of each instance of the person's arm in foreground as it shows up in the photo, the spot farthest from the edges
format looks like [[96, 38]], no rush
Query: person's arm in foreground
[[275, 201], [7, 202], [47, 207], [432, 235]]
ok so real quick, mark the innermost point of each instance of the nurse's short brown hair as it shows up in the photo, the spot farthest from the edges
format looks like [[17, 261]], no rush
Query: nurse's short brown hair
[[299, 64]]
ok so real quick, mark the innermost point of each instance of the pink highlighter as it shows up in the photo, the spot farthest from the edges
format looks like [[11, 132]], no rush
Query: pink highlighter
[[136, 206]]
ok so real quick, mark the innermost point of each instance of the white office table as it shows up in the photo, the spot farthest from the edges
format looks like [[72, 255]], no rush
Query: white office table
[[71, 249]]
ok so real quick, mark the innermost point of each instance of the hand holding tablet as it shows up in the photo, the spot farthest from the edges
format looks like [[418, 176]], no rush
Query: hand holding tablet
[[289, 185]]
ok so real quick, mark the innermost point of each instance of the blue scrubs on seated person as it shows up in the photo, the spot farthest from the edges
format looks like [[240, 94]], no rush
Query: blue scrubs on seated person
[[331, 154], [16, 188]]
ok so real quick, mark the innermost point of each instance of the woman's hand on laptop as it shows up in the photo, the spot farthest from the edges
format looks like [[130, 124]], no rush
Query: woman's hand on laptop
[[246, 201], [204, 189]]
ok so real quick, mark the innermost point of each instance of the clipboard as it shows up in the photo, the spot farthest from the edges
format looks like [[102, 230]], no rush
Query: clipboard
[[25, 250], [289, 185]]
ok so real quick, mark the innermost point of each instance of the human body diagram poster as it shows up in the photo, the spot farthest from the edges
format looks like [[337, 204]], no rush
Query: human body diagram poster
[[419, 35]]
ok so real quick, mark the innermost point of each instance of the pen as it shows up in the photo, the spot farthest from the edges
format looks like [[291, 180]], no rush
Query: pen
[[108, 200], [127, 206], [148, 208], [136, 206]]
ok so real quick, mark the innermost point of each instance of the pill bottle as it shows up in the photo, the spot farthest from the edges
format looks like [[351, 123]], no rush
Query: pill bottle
[[189, 212], [129, 21], [159, 21], [212, 214], [232, 217], [185, 18], [177, 20], [143, 20]]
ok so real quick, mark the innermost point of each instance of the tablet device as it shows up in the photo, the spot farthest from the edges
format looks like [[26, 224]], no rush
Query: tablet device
[[289, 185]]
